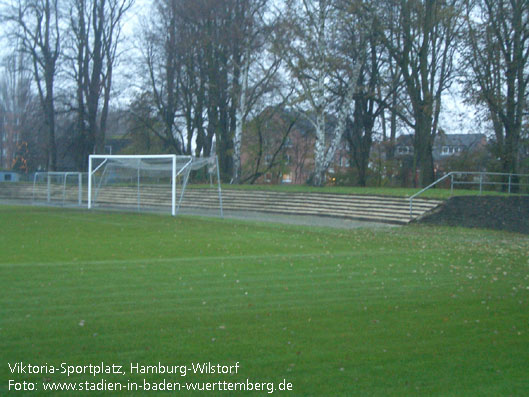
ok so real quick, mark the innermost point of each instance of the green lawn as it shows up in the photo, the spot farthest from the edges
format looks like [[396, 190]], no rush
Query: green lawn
[[400, 311]]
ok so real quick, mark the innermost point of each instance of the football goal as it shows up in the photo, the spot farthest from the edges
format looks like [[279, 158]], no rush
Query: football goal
[[60, 188], [154, 182]]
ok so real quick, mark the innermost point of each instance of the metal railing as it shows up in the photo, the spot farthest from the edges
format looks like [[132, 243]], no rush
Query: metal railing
[[481, 182]]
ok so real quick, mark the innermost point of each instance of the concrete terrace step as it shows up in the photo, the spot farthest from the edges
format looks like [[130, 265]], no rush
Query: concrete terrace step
[[367, 208], [360, 201], [263, 197], [374, 208]]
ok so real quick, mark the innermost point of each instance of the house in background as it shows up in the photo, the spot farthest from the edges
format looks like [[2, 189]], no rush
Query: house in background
[[445, 146], [452, 144], [9, 176], [278, 147]]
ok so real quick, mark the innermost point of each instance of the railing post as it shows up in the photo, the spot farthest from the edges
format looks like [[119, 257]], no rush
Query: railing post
[[510, 175], [34, 184], [480, 183], [48, 197], [173, 186], [80, 188], [65, 177], [451, 184], [138, 192], [218, 186]]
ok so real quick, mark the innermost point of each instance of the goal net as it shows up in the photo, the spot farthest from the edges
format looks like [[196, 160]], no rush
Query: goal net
[[58, 188], [154, 182]]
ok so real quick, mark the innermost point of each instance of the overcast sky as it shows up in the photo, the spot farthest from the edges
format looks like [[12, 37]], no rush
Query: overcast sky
[[456, 117]]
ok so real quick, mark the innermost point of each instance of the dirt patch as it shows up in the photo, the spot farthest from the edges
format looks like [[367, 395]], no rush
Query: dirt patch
[[502, 213]]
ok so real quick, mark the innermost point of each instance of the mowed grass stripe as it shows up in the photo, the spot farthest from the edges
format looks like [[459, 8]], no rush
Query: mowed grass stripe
[[215, 283], [273, 296], [206, 280], [286, 303], [199, 259]]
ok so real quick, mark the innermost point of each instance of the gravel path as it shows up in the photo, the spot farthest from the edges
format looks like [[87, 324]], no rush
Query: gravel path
[[293, 219], [319, 221]]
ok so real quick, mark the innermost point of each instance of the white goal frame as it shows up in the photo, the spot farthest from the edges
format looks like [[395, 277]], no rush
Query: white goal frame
[[175, 206], [64, 175]]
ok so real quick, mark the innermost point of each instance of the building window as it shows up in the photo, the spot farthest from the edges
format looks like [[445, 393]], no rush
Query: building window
[[287, 178], [403, 150], [449, 150]]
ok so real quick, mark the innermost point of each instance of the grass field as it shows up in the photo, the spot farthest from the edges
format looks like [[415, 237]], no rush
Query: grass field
[[400, 311]]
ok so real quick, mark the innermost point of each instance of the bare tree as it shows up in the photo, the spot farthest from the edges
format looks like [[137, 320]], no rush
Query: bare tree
[[424, 50], [497, 56], [37, 27], [161, 55], [255, 67], [18, 113], [370, 100], [311, 51], [95, 29], [393, 84], [206, 72], [180, 59]]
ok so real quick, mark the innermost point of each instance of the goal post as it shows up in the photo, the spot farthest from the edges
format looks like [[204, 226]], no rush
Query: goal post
[[155, 180], [59, 188]]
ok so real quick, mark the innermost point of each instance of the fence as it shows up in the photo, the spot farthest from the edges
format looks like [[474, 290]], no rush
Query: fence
[[507, 182], [511, 182]]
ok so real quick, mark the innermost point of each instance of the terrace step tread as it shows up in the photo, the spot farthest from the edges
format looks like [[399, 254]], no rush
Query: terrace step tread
[[389, 209]]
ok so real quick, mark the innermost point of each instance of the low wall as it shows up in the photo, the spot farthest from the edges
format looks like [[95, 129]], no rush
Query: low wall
[[503, 213]]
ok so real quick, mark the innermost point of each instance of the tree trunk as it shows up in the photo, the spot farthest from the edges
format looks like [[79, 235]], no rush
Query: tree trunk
[[423, 146], [239, 116], [49, 108]]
